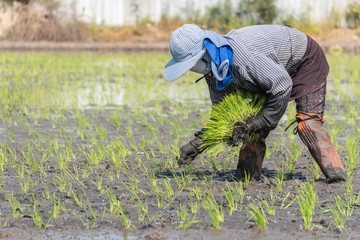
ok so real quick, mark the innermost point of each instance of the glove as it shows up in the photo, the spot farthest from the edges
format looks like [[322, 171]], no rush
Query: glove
[[189, 151], [241, 134]]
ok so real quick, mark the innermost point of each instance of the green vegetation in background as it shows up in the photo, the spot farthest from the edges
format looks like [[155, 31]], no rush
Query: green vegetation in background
[[353, 15], [77, 80], [222, 17]]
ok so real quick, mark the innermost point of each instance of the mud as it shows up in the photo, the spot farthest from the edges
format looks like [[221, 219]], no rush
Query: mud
[[161, 223]]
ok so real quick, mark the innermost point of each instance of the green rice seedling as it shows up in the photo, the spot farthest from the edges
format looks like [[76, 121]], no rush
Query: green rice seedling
[[93, 157], [214, 211], [25, 183], [239, 189], [349, 195], [20, 170], [170, 163], [57, 206], [85, 173], [110, 174], [98, 183], [152, 152], [272, 196], [294, 155], [93, 139], [125, 220], [194, 205], [133, 187], [61, 182], [353, 152], [197, 192], [258, 215], [291, 112], [160, 146], [46, 194], [82, 122], [233, 109], [307, 199], [115, 119], [282, 206], [174, 149], [340, 212], [143, 143], [134, 145], [117, 153], [160, 198], [270, 209], [230, 196], [247, 178], [182, 181], [6, 221], [352, 115], [36, 216], [11, 135], [3, 160], [143, 209], [231, 201], [156, 217], [29, 158], [62, 162], [217, 151], [129, 132], [214, 164], [313, 170], [185, 221], [77, 199], [116, 209], [15, 204], [112, 200], [93, 215], [334, 131], [280, 177], [228, 161]]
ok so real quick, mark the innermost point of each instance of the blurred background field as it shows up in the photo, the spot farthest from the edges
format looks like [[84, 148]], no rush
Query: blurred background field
[[145, 20]]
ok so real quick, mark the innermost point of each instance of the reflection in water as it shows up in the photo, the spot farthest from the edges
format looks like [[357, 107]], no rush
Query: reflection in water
[[115, 94]]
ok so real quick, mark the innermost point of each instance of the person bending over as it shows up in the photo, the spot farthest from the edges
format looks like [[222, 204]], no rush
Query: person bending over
[[276, 60]]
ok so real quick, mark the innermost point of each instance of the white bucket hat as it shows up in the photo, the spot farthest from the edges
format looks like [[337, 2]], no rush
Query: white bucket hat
[[186, 47]]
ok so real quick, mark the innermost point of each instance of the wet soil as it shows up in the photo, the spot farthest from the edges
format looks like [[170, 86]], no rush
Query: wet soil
[[161, 222]]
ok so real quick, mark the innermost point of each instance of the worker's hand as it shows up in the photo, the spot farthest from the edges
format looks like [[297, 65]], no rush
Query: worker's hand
[[241, 134], [189, 151]]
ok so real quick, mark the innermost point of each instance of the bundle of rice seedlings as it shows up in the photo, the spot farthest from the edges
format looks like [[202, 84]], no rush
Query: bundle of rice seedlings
[[234, 109]]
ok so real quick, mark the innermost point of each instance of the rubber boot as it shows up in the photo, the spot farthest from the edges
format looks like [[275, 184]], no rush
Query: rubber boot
[[320, 146], [251, 158]]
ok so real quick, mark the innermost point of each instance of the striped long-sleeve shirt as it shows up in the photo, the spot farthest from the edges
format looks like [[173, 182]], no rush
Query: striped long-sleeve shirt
[[264, 57]]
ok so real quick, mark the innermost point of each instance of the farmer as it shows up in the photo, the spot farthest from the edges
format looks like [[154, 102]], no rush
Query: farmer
[[278, 61]]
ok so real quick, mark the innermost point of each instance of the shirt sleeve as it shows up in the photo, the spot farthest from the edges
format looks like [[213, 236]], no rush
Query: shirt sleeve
[[272, 79]]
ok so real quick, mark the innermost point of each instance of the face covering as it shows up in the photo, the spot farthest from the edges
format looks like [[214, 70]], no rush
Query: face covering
[[200, 67], [220, 56]]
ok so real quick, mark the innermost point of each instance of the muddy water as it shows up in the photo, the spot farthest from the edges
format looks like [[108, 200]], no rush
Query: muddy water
[[86, 123], [111, 233], [76, 222]]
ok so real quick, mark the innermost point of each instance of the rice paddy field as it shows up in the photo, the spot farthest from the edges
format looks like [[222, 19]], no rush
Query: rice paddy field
[[88, 148]]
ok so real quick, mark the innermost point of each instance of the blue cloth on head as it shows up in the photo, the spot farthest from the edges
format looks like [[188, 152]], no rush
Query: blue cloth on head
[[221, 54]]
